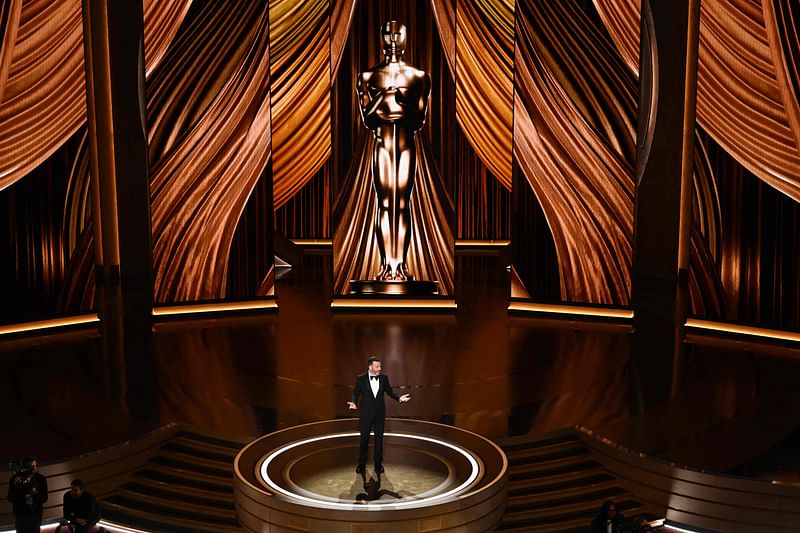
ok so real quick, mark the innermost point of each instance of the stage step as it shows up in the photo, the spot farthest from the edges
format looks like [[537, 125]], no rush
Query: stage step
[[555, 484], [565, 517], [186, 486]]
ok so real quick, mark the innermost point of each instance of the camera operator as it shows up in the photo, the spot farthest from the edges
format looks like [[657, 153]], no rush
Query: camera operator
[[81, 512], [27, 491]]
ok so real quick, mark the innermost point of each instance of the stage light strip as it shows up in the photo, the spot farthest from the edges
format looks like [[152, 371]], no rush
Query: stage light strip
[[116, 528], [313, 242], [753, 331], [111, 527], [387, 303], [49, 324], [372, 507], [669, 526], [556, 309], [177, 310], [467, 243]]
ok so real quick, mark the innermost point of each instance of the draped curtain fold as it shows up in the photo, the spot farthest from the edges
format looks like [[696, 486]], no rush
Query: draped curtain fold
[[576, 158], [300, 40], [10, 12], [209, 144], [484, 80], [201, 183], [342, 12], [44, 97], [747, 79], [478, 43]]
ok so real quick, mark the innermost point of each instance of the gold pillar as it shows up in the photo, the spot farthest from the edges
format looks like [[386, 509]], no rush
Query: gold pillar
[[114, 62], [662, 212]]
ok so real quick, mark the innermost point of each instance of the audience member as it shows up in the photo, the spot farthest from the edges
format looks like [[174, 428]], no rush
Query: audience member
[[608, 520]]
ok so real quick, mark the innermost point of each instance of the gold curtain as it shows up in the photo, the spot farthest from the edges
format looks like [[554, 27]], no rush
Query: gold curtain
[[576, 158], [300, 67], [209, 144], [484, 80], [478, 40], [747, 79], [44, 97], [201, 181]]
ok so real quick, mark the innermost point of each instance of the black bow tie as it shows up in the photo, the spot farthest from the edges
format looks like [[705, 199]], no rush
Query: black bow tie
[[374, 377]]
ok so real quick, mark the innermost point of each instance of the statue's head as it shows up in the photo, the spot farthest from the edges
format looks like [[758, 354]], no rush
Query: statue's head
[[393, 35]]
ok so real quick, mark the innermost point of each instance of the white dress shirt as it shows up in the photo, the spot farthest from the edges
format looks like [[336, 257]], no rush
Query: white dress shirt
[[374, 384]]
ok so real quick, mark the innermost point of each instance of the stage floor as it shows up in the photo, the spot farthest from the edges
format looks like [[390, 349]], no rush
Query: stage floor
[[477, 368], [400, 481]]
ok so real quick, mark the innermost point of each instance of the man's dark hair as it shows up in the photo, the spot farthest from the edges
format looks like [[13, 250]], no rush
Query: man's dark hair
[[77, 483], [29, 460], [372, 359]]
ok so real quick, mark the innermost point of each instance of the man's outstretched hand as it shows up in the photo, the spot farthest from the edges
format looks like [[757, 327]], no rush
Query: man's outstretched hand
[[404, 398], [351, 405]]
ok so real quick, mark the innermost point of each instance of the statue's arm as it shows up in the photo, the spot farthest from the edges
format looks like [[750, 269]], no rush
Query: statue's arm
[[368, 104], [418, 107]]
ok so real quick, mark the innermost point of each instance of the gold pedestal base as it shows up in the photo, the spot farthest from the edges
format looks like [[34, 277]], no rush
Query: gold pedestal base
[[400, 288]]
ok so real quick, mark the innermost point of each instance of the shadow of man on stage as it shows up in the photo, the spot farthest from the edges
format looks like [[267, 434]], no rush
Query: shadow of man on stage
[[373, 491]]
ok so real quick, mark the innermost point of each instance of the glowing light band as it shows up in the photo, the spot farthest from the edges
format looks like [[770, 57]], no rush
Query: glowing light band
[[475, 469]]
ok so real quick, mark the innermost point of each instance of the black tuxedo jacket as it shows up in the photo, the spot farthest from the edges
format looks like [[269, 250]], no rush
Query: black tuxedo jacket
[[372, 406]]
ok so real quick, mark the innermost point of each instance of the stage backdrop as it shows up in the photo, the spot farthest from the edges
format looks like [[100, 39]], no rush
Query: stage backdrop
[[208, 118], [575, 99], [553, 83]]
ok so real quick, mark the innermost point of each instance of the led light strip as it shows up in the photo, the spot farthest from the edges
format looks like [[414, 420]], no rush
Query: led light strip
[[603, 312], [372, 506], [389, 303], [312, 242], [466, 243], [51, 323], [670, 527], [116, 528], [742, 330], [176, 310], [110, 526]]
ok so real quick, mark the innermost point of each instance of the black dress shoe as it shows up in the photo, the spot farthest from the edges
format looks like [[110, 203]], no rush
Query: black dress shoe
[[379, 469], [360, 470]]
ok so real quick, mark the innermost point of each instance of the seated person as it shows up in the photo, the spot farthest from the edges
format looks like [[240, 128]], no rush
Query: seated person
[[608, 519], [81, 512]]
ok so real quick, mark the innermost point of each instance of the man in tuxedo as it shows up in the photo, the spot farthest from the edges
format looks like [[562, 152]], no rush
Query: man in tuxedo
[[370, 388]]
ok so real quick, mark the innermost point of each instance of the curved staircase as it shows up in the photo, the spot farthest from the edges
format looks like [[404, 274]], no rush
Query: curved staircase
[[557, 485], [179, 479], [187, 486]]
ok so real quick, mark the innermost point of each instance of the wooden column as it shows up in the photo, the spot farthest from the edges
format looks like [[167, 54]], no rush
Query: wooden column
[[662, 214], [114, 61]]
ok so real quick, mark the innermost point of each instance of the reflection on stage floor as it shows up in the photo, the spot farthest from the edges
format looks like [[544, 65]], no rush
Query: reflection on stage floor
[[477, 368]]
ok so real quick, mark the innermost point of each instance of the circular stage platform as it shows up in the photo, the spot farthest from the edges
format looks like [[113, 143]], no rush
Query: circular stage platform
[[437, 478]]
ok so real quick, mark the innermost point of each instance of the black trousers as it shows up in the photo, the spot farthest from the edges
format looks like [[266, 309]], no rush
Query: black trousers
[[28, 523], [375, 424]]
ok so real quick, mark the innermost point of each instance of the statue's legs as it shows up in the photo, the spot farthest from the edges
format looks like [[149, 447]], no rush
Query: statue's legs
[[393, 169], [406, 169]]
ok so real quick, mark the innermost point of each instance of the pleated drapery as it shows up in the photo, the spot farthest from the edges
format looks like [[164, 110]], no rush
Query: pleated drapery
[[42, 86], [747, 80], [577, 160]]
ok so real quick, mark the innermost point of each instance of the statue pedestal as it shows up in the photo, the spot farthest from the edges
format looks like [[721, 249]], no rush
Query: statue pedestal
[[400, 288]]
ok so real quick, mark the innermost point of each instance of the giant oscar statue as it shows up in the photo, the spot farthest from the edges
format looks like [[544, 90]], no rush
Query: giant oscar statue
[[393, 98]]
